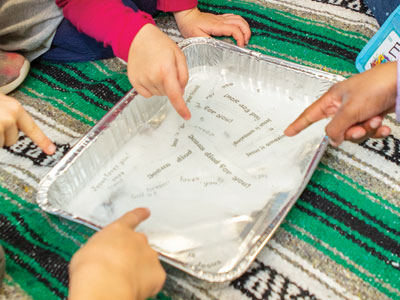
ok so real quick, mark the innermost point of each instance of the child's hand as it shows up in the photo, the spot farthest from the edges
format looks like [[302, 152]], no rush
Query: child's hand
[[156, 66], [117, 263], [357, 105], [13, 117], [194, 23]]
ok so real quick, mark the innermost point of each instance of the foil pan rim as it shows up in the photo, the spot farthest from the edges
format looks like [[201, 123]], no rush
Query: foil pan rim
[[259, 56]]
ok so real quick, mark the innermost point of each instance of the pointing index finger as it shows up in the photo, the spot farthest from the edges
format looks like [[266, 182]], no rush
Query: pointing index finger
[[311, 115], [326, 106], [174, 92], [27, 125]]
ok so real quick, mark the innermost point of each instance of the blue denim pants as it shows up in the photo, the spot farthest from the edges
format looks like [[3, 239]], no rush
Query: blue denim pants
[[70, 45], [382, 8]]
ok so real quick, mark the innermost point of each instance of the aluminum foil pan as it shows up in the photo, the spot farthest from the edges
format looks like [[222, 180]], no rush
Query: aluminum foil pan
[[218, 185]]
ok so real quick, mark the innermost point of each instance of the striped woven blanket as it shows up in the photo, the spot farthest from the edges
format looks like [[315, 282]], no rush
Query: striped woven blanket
[[340, 241]]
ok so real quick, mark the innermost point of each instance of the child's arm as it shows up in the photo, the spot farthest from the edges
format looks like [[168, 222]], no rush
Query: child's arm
[[176, 5], [13, 117], [108, 21], [116, 263], [156, 66], [357, 105]]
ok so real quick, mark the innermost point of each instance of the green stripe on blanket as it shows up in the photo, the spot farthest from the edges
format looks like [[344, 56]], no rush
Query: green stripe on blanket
[[308, 39]]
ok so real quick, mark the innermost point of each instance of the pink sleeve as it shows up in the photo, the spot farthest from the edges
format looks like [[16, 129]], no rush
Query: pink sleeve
[[175, 5], [108, 21]]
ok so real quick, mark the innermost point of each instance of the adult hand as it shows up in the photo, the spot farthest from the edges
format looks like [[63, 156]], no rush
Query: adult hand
[[13, 117], [357, 106], [156, 66], [117, 263], [193, 23]]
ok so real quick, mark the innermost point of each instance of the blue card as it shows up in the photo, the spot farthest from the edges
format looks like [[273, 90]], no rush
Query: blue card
[[384, 45]]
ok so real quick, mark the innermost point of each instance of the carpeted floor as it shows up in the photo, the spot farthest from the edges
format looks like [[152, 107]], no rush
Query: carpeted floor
[[340, 241]]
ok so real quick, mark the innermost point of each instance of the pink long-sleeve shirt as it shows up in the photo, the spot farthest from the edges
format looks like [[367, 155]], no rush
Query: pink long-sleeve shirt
[[111, 22]]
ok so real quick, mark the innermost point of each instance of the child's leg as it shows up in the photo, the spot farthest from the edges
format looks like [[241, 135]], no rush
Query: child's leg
[[382, 8], [70, 45]]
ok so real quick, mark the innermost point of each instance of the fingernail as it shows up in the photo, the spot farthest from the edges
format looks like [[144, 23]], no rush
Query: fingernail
[[375, 123], [52, 148], [357, 135], [386, 132], [287, 132], [143, 208], [188, 115], [333, 143]]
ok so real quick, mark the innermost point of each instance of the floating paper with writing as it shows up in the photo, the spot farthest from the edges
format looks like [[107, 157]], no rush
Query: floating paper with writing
[[217, 185]]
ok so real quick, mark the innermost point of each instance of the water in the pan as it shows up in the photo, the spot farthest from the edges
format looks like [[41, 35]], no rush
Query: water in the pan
[[213, 173]]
